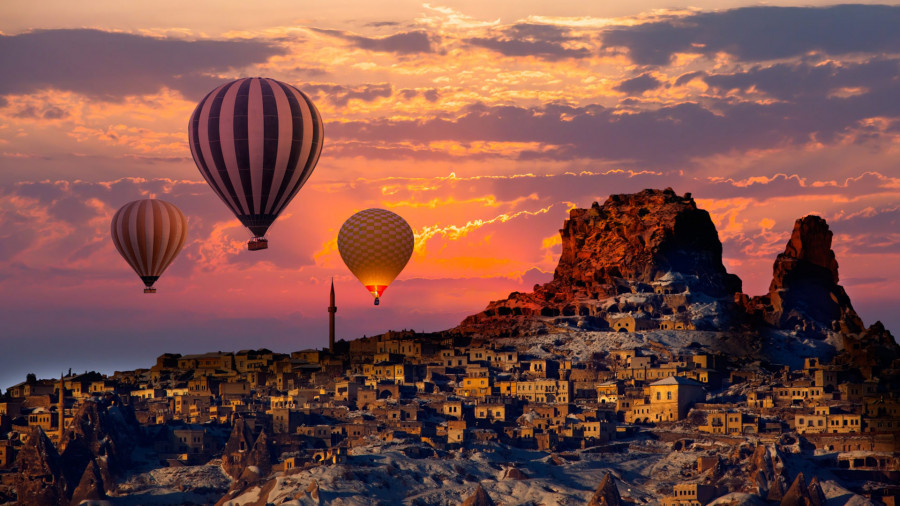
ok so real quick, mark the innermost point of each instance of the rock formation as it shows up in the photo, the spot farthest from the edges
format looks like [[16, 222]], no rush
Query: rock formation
[[804, 293], [513, 473], [90, 488], [607, 494], [652, 260], [797, 494], [234, 456], [40, 481], [260, 455], [816, 494], [654, 242], [313, 490], [102, 428], [479, 498]]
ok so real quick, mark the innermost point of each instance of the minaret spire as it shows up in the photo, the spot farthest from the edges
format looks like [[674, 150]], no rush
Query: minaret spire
[[61, 409], [331, 310]]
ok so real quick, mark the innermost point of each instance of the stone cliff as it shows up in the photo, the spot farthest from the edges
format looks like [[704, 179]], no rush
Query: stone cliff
[[804, 293], [652, 260], [654, 243]]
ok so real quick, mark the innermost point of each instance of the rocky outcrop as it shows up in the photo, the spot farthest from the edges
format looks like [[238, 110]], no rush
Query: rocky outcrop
[[103, 428], [607, 494], [234, 457], [260, 456], [654, 242], [479, 498], [90, 488], [816, 494], [39, 480], [313, 491], [797, 494], [804, 293], [513, 473]]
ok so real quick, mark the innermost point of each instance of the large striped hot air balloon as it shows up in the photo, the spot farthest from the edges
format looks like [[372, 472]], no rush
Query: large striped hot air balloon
[[376, 245], [256, 141], [149, 234]]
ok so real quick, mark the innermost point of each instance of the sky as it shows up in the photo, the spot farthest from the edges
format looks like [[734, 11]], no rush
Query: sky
[[481, 123]]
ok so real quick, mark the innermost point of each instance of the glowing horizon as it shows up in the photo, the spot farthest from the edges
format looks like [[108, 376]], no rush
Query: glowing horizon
[[481, 126]]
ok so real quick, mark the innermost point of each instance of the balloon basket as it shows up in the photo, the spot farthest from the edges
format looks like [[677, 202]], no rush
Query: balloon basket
[[149, 290], [257, 243]]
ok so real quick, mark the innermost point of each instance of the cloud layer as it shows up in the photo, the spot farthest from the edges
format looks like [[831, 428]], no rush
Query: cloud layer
[[481, 133]]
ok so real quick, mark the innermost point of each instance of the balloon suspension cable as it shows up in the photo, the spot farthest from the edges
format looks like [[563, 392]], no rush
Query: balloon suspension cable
[[257, 243]]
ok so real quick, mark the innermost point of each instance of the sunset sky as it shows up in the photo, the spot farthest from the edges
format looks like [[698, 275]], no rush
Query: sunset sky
[[481, 123]]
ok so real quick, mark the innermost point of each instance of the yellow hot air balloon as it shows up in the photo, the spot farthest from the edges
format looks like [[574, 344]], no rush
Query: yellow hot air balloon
[[376, 245], [149, 234]]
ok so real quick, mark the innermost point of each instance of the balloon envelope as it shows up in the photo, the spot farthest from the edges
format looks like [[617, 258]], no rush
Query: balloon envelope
[[256, 141], [376, 245], [149, 234]]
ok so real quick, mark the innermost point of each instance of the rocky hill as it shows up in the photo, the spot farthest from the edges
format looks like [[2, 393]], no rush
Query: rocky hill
[[652, 260], [653, 254], [804, 293]]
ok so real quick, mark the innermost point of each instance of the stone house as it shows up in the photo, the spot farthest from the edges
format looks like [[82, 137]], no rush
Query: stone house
[[668, 399], [690, 494]]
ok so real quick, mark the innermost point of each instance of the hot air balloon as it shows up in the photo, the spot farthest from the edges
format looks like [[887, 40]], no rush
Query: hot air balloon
[[376, 245], [256, 141], [149, 234]]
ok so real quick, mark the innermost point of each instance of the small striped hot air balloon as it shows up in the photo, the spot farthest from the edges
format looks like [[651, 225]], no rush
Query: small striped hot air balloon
[[376, 245], [256, 141], [149, 234]]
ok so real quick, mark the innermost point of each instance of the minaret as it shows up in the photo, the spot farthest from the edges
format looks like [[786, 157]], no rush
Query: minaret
[[331, 310], [61, 408]]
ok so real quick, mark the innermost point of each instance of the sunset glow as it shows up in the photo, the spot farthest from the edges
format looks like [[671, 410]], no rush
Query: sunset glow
[[480, 126]]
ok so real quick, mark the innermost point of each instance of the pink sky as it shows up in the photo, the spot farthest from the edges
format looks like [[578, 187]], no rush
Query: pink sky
[[480, 125]]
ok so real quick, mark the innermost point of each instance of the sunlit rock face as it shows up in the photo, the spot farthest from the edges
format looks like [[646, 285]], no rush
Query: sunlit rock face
[[654, 243]]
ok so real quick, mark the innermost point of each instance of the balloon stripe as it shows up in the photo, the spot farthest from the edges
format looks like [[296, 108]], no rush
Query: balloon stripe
[[160, 229], [232, 131], [318, 134], [255, 142], [138, 241], [227, 120], [120, 236], [296, 136], [285, 134], [305, 149], [199, 130], [176, 236], [269, 142], [213, 143], [148, 234], [241, 130]]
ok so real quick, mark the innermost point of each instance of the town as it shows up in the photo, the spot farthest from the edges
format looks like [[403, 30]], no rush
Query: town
[[311, 407]]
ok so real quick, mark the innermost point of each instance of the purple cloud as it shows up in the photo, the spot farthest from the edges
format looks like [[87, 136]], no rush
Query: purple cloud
[[417, 41], [525, 39], [639, 84], [764, 33], [114, 65]]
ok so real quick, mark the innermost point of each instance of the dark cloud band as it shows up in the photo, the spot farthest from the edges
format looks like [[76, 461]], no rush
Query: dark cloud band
[[115, 65]]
